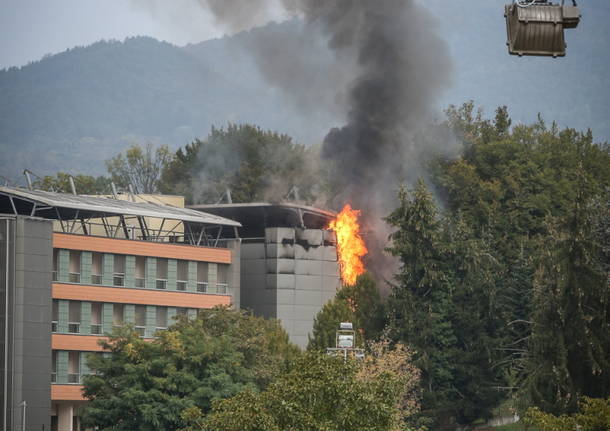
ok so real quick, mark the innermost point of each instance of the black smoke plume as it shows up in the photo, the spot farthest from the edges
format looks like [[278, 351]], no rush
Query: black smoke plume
[[389, 69]]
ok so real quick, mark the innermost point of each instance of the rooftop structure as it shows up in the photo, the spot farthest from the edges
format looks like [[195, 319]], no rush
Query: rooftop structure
[[104, 216]]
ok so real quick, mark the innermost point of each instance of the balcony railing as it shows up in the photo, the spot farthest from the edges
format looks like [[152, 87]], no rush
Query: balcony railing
[[222, 288], [54, 326], [96, 328], [74, 277], [161, 284], [74, 327], [54, 276], [96, 279], [73, 377], [141, 330], [118, 279], [140, 282], [181, 285], [202, 286], [173, 236], [53, 377]]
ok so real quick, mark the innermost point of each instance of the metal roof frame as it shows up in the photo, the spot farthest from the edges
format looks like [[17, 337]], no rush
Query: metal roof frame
[[62, 206]]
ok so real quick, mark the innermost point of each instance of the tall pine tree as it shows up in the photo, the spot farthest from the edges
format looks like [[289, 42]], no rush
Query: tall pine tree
[[419, 306]]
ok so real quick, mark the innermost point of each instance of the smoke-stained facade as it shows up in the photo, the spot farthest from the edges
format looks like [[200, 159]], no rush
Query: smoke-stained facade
[[289, 267]]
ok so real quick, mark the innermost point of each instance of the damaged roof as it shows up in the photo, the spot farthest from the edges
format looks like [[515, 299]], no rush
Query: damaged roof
[[256, 215]]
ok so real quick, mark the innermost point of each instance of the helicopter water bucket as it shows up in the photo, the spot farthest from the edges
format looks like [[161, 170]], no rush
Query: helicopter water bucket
[[536, 28]]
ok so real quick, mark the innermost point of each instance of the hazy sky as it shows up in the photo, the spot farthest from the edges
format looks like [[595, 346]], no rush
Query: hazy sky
[[30, 29]]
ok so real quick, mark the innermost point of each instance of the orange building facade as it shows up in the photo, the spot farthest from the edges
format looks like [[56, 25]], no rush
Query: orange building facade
[[100, 283], [114, 263]]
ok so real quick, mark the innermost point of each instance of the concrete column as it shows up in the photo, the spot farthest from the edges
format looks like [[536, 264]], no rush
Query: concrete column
[[234, 274], [65, 413]]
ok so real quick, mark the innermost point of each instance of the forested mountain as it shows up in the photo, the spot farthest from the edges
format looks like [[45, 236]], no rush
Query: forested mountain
[[84, 105], [73, 110]]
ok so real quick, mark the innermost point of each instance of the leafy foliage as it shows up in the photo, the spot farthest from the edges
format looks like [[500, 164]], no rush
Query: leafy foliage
[[319, 393], [148, 384], [85, 184], [253, 164], [594, 416], [139, 167]]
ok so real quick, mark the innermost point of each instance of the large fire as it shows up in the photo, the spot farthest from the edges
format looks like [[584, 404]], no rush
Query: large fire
[[350, 245]]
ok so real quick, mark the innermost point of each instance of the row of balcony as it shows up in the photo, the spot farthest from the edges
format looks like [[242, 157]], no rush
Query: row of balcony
[[161, 284]]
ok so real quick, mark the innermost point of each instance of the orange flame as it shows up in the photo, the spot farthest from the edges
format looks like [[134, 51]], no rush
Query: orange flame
[[350, 245]]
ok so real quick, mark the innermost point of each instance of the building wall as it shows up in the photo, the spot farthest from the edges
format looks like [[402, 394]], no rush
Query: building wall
[[290, 276], [123, 284], [26, 272]]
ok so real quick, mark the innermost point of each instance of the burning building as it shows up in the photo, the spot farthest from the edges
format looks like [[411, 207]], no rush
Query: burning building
[[289, 265]]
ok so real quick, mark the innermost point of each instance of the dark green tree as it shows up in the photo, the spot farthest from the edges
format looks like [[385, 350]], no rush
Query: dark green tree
[[419, 307], [317, 393], [360, 304], [515, 188], [146, 385], [569, 354], [176, 177], [253, 164]]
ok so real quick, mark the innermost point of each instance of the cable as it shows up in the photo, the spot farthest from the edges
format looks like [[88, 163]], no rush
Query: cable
[[524, 3]]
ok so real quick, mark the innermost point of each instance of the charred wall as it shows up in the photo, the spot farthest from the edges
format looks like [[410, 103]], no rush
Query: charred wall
[[289, 275]]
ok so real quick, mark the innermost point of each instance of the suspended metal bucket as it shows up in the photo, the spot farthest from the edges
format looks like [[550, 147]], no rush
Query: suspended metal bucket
[[536, 28]]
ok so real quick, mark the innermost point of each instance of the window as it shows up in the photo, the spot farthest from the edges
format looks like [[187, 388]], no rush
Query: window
[[181, 311], [55, 316], [96, 318], [141, 320], [161, 318], [96, 268], [74, 267], [54, 366], [202, 277], [223, 273], [55, 263], [140, 275], [118, 278], [182, 274], [118, 313], [73, 367], [161, 273], [74, 309]]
